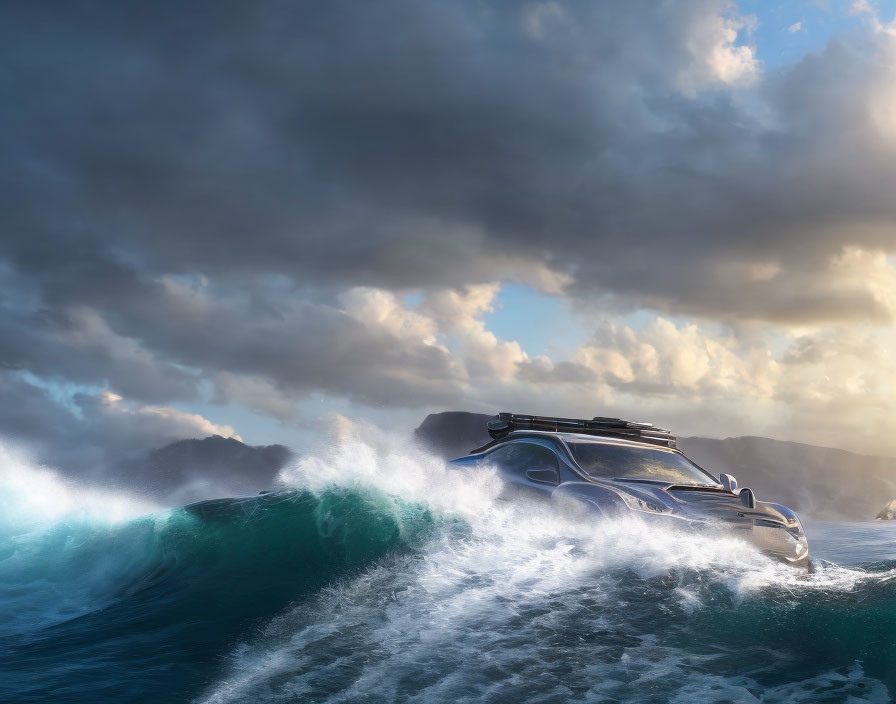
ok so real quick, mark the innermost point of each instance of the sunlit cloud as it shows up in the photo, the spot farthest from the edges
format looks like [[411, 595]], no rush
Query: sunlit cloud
[[719, 233]]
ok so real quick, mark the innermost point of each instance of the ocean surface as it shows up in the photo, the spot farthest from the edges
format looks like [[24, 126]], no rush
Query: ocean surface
[[378, 575]]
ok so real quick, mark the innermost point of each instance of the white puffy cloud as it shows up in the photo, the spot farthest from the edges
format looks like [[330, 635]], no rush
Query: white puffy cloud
[[379, 309], [717, 55], [459, 314], [150, 425], [681, 361]]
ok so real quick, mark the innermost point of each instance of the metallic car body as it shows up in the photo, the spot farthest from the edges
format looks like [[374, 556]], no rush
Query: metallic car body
[[775, 529]]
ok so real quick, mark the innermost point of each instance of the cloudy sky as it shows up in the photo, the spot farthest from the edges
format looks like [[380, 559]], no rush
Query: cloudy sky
[[241, 218]]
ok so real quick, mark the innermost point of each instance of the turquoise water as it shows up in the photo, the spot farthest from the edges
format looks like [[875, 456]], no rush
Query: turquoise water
[[369, 592]]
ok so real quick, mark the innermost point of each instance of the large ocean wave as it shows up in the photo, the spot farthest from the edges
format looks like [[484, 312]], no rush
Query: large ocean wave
[[375, 573]]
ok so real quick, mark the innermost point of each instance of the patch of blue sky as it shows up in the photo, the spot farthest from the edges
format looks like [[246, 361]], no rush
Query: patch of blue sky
[[412, 300], [540, 324], [785, 32], [547, 325]]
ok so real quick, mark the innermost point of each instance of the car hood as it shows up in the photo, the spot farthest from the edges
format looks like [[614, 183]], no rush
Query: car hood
[[705, 503]]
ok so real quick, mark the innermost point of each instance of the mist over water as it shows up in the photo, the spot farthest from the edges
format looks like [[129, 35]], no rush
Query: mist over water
[[375, 573]]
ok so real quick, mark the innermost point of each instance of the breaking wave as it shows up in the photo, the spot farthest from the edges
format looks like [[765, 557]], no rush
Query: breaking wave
[[375, 573]]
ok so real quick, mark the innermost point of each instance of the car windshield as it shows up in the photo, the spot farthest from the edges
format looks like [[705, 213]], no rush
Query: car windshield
[[625, 462]]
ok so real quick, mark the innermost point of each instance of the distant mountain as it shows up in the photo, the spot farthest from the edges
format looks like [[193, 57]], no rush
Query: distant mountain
[[816, 481], [821, 482], [190, 470], [453, 433]]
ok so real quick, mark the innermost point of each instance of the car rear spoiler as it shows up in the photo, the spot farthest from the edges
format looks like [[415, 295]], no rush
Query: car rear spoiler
[[505, 423]]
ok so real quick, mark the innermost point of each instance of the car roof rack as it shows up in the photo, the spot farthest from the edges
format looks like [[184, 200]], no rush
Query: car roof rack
[[501, 425]]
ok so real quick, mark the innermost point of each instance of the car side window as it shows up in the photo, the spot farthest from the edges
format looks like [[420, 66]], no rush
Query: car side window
[[519, 457], [501, 457]]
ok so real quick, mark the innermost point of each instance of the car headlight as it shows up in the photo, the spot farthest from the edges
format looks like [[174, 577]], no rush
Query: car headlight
[[636, 503]]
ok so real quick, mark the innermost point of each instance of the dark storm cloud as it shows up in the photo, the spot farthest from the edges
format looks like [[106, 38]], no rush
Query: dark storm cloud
[[297, 345], [419, 144], [284, 152], [76, 345]]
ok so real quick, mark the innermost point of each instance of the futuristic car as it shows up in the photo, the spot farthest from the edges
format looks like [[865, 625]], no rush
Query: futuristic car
[[614, 466]]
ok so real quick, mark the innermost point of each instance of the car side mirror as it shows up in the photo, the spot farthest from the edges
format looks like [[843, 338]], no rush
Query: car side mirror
[[729, 483], [543, 475], [748, 498]]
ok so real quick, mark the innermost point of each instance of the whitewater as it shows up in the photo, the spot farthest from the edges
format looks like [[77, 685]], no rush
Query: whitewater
[[376, 573]]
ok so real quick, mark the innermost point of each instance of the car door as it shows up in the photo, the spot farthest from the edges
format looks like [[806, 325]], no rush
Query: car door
[[529, 469]]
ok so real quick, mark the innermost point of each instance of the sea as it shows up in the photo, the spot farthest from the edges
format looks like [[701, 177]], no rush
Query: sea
[[375, 573]]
